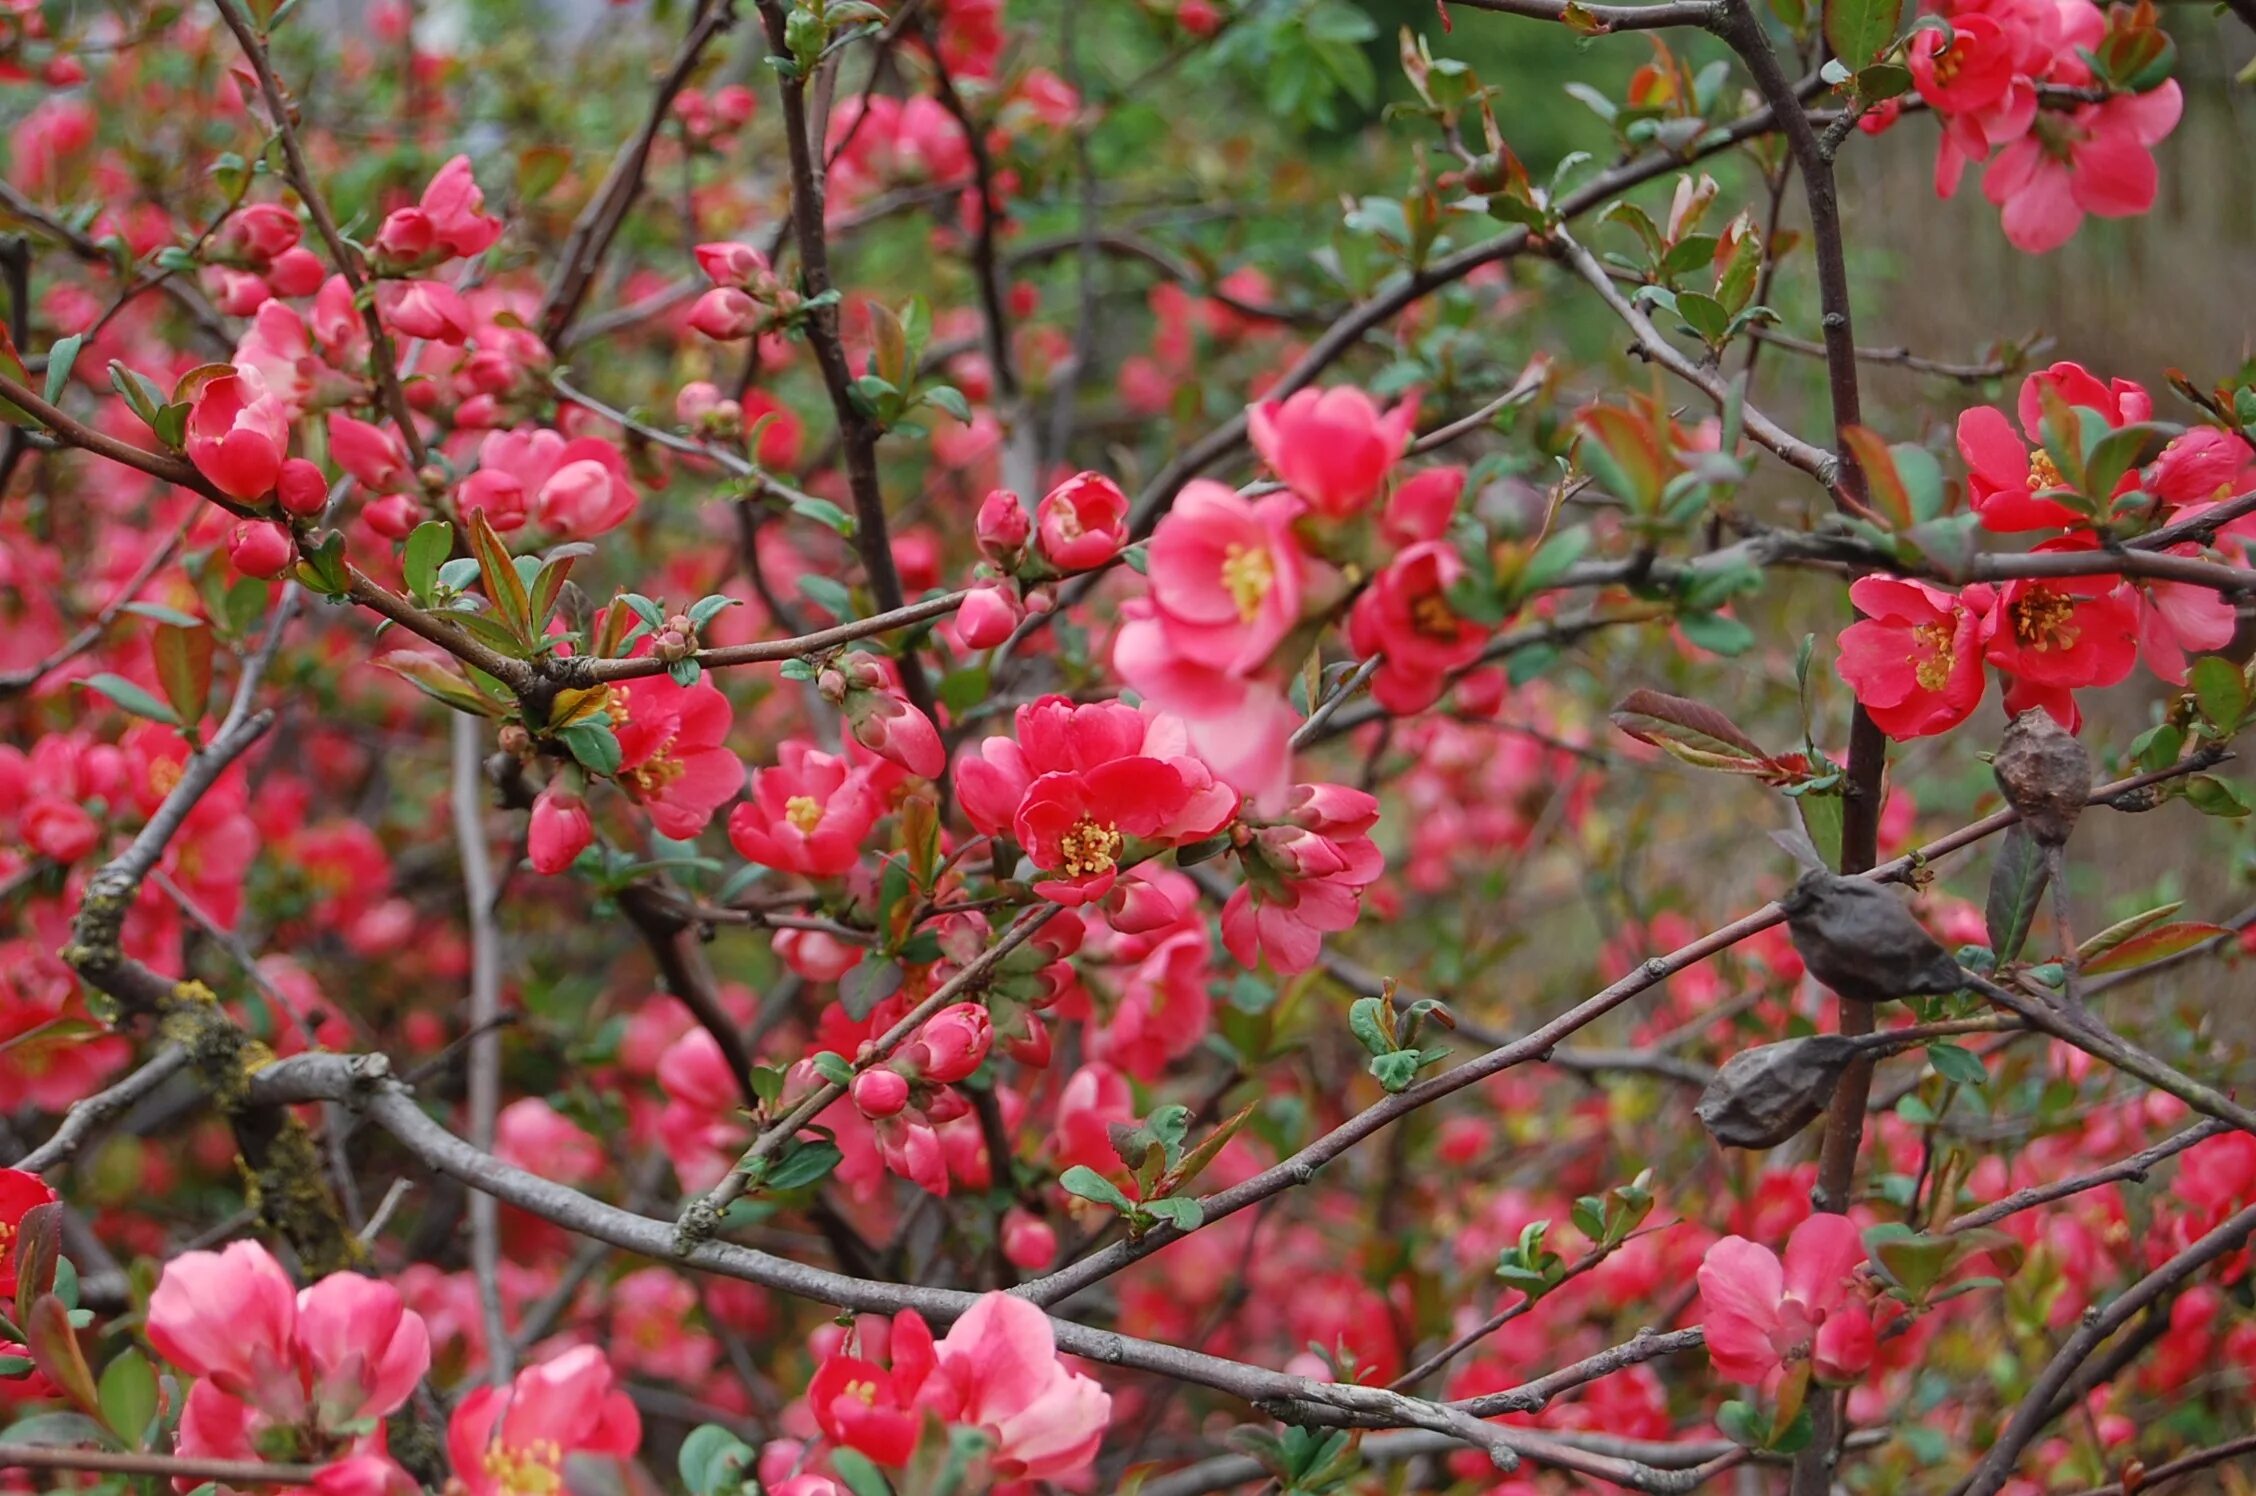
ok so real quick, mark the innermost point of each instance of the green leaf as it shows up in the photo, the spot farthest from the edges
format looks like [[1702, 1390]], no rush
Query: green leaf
[[1367, 1020], [59, 360], [1860, 30], [128, 1395], [427, 550], [594, 745], [1717, 634], [712, 1460], [2017, 885], [861, 1476], [183, 660], [828, 594], [1087, 1183], [54, 1345], [2121, 451], [2216, 797], [1182, 1213], [1704, 315], [2123, 929], [2221, 690], [505, 589], [949, 399], [133, 699], [822, 512], [57, 1431], [832, 1067], [803, 1165], [1957, 1064]]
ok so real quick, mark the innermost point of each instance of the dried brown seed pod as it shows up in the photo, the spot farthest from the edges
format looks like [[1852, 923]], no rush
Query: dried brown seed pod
[[1763, 1096], [2046, 775], [1859, 939]]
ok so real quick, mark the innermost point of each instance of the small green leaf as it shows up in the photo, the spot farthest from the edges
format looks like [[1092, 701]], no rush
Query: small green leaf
[[427, 550], [128, 1395], [803, 1165], [133, 699], [594, 745], [1087, 1183], [59, 360], [1957, 1064], [2017, 885]]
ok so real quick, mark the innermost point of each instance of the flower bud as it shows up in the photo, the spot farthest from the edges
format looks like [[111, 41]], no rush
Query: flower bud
[[954, 1042], [260, 548], [1002, 528], [1031, 1048], [880, 1093], [561, 830], [301, 489], [987, 617], [1028, 1241]]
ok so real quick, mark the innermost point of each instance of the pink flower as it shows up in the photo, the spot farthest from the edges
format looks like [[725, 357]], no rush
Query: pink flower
[[1305, 878], [1915, 660], [1226, 576], [2098, 159], [1241, 728], [508, 1441], [879, 1094], [2180, 617], [537, 1137], [425, 309], [21, 1192], [1082, 523], [998, 1371], [1332, 447], [372, 455], [301, 489], [455, 207], [864, 1406], [560, 830], [1406, 615], [1420, 508], [588, 491], [229, 1316], [237, 434], [808, 815], [672, 754], [343, 1350], [1028, 1241], [1761, 1316]]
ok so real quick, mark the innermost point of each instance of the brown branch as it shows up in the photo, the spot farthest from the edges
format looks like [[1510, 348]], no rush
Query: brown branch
[[161, 1466], [2133, 1168], [1603, 18]]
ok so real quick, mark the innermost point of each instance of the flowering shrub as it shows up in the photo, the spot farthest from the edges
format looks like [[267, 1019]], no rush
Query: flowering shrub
[[934, 747]]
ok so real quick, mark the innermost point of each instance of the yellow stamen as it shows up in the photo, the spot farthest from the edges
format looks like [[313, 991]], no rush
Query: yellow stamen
[[803, 812], [2042, 473], [1931, 662], [1090, 849], [1248, 574], [534, 1470], [2043, 620]]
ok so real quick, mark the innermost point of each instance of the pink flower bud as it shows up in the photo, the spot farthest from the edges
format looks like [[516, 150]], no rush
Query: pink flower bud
[[1136, 907], [497, 494], [697, 399], [561, 829], [725, 313], [393, 516], [729, 264], [405, 235], [1002, 527], [987, 617], [260, 548], [954, 1042], [301, 489], [1028, 1241], [880, 1093], [296, 272], [892, 729]]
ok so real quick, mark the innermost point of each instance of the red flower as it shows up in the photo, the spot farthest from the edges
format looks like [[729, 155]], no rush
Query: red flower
[[1915, 659], [807, 815], [1406, 615], [20, 1194], [2068, 632], [237, 434], [1332, 447], [1080, 829], [1082, 523], [671, 757], [2006, 475]]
